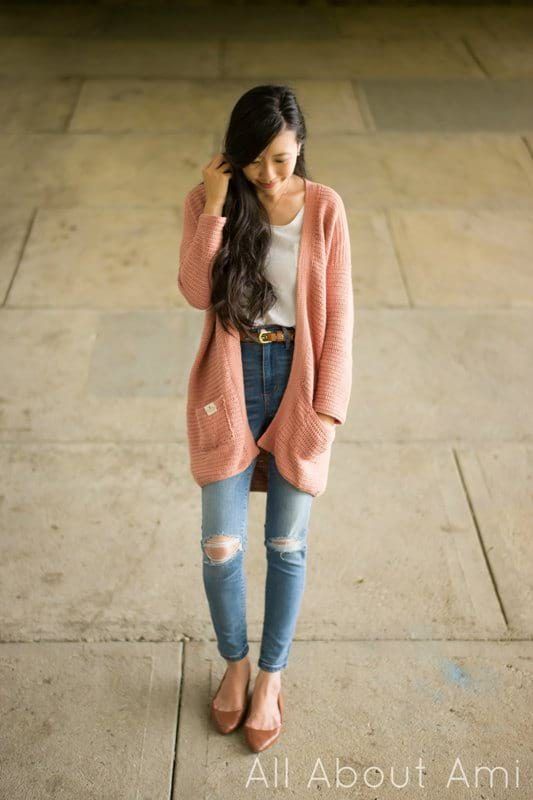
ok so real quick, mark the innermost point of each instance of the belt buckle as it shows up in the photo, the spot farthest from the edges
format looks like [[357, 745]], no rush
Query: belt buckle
[[262, 333]]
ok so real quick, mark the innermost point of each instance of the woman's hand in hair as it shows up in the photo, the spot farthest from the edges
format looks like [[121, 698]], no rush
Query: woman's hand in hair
[[326, 417], [216, 175]]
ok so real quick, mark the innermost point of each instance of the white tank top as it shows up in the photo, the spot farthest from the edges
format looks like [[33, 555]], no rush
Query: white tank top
[[280, 269]]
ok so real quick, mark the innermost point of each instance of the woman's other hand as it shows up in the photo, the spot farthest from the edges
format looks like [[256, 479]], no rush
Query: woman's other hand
[[216, 175], [329, 420]]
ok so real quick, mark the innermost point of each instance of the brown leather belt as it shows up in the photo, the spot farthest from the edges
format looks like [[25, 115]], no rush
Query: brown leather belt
[[265, 336]]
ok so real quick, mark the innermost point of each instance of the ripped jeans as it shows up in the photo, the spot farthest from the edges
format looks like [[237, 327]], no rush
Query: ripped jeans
[[266, 370]]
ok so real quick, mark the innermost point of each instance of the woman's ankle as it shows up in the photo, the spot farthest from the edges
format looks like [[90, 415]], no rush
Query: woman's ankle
[[242, 664], [268, 678]]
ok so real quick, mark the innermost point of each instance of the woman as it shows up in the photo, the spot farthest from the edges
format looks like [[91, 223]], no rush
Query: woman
[[265, 253]]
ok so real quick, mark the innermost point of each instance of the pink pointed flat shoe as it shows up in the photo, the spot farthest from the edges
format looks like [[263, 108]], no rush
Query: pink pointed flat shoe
[[258, 739], [228, 721]]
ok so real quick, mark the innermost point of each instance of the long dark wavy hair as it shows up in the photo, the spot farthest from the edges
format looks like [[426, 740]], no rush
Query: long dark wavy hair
[[240, 290]]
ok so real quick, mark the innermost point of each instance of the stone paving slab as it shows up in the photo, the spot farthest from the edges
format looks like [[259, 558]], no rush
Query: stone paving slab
[[450, 105], [99, 542], [394, 20], [377, 278], [214, 20], [382, 709], [354, 57], [512, 19], [425, 171], [107, 258], [450, 374], [15, 223], [37, 105], [61, 381], [184, 105], [465, 258], [88, 721], [108, 170], [50, 19], [79, 57], [499, 481], [505, 55], [403, 560]]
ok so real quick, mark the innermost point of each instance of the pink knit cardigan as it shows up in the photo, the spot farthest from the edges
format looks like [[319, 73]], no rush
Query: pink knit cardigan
[[221, 443]]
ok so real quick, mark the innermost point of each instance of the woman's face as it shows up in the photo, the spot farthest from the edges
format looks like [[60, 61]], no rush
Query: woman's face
[[271, 170]]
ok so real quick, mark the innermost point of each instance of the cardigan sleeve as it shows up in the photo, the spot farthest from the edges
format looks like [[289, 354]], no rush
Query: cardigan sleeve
[[200, 243], [334, 382]]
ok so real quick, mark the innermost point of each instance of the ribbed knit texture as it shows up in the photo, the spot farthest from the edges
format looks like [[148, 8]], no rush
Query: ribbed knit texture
[[221, 443]]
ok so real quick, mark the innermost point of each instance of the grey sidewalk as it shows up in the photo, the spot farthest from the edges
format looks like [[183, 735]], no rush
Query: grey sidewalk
[[415, 639]]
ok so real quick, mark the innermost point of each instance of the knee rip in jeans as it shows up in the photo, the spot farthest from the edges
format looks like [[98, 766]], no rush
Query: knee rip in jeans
[[285, 545], [221, 548]]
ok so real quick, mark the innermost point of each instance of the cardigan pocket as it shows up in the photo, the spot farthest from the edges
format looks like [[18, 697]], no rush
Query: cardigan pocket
[[321, 433], [307, 436], [214, 424]]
